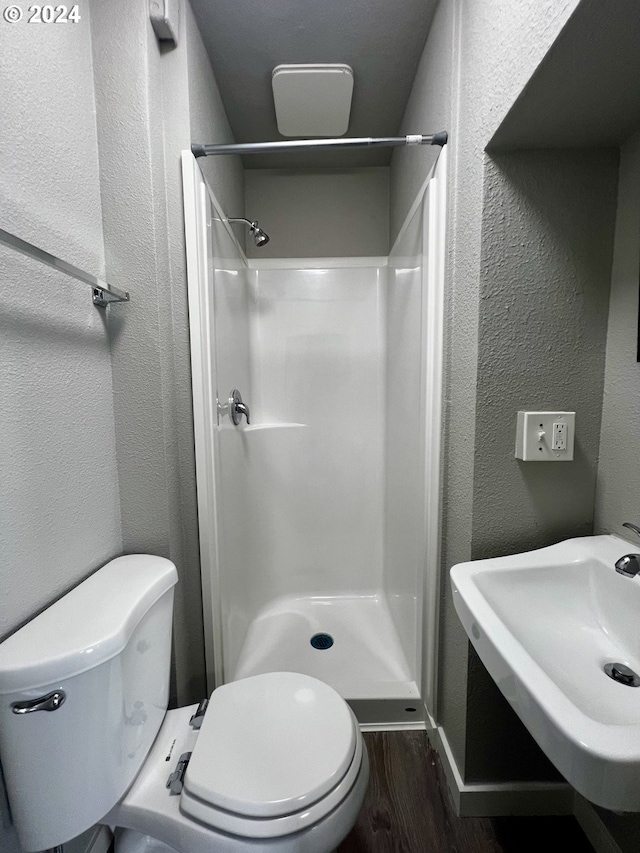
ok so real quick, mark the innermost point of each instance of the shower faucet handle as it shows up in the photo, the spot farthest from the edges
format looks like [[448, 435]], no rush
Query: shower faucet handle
[[237, 408]]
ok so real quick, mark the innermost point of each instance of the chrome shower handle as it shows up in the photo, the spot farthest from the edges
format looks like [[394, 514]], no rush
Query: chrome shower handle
[[242, 409], [237, 408]]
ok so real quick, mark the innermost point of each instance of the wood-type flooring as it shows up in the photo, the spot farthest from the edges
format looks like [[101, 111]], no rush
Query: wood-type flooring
[[408, 810]]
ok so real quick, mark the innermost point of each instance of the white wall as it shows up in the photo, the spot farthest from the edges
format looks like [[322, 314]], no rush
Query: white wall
[[618, 487], [59, 499], [319, 214]]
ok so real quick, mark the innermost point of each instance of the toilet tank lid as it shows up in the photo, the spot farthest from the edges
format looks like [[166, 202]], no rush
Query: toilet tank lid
[[86, 627]]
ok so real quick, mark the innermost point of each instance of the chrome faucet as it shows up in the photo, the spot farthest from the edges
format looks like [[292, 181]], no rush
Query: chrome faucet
[[629, 565]]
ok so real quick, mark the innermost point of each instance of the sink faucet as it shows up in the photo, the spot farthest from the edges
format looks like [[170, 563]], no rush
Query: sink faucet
[[629, 565]]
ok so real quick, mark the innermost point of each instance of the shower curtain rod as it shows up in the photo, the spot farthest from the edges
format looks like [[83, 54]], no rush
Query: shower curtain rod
[[318, 144]]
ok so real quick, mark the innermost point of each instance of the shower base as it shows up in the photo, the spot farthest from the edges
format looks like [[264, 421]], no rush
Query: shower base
[[365, 663]]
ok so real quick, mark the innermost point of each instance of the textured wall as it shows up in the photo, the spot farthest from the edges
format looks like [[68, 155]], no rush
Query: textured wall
[[618, 488], [146, 98], [59, 500], [319, 214], [547, 242], [208, 123], [430, 108], [59, 495], [478, 57], [56, 378], [578, 96], [49, 156]]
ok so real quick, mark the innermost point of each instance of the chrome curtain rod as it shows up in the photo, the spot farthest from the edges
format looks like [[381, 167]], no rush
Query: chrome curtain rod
[[319, 144]]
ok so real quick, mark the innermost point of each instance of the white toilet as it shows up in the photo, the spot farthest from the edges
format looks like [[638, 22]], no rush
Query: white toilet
[[277, 764]]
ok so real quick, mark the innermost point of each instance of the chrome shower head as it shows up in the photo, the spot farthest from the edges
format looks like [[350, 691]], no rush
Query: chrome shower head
[[260, 237]]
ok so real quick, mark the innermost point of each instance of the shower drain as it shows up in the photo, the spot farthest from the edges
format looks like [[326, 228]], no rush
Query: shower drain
[[321, 641]]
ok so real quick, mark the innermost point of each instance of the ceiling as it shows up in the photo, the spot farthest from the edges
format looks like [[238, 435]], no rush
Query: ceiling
[[382, 40]]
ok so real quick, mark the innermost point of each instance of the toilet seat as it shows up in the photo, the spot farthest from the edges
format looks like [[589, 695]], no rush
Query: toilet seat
[[265, 828], [150, 808], [275, 754]]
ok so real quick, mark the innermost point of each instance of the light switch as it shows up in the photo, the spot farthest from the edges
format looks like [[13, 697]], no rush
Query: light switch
[[545, 436]]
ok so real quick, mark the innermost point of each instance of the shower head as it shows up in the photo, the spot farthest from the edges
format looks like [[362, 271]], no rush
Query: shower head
[[259, 236]]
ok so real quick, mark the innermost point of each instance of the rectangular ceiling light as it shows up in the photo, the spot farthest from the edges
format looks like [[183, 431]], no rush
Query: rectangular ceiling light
[[312, 100]]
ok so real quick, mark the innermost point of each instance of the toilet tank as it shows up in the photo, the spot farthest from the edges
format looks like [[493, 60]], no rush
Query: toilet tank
[[106, 645]]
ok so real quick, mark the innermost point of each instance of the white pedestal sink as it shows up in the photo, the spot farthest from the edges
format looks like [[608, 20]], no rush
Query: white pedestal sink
[[545, 623]]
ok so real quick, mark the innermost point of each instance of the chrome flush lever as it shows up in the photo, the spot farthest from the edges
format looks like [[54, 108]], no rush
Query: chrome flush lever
[[237, 408], [50, 702]]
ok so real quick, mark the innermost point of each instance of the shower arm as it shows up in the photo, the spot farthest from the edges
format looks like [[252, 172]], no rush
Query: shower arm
[[249, 222], [286, 146]]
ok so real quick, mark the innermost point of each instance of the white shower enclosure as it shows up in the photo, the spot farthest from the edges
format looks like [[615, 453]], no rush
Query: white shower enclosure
[[319, 520]]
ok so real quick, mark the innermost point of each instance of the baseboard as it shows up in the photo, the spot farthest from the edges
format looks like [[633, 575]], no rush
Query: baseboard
[[499, 798], [393, 727], [593, 827], [518, 798]]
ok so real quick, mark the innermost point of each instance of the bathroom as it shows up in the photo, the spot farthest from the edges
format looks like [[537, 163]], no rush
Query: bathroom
[[541, 288]]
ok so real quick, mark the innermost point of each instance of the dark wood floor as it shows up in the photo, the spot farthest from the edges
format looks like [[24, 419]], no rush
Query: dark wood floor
[[408, 810]]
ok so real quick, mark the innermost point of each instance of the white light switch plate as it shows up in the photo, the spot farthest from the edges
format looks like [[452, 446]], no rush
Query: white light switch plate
[[545, 436]]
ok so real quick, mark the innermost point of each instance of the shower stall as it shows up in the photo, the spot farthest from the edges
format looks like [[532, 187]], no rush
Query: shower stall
[[319, 508]]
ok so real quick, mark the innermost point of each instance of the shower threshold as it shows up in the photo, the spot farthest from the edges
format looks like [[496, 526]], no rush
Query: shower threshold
[[356, 650]]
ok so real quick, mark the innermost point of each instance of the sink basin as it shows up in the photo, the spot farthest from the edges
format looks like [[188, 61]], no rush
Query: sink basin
[[545, 623]]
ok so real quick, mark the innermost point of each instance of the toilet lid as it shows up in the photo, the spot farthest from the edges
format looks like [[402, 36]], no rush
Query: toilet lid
[[271, 745]]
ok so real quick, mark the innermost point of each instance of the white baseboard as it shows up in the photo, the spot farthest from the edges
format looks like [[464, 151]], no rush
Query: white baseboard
[[393, 727], [499, 798], [519, 798]]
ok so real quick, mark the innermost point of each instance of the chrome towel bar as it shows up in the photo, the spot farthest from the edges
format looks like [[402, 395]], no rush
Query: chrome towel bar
[[102, 293]]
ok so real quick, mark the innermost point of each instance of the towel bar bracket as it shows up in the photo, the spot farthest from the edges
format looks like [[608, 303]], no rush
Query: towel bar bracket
[[103, 296]]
